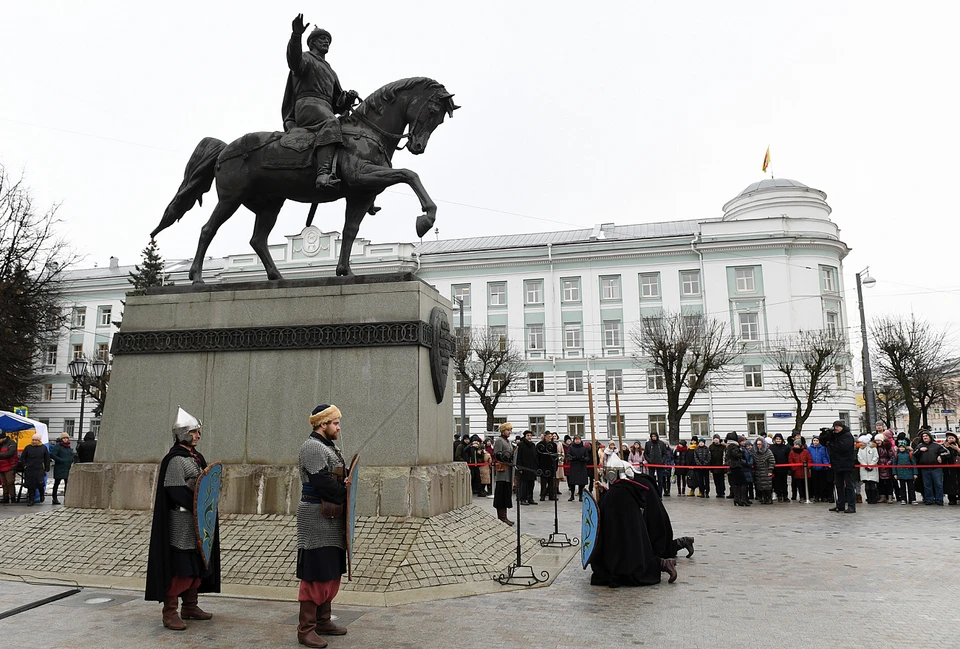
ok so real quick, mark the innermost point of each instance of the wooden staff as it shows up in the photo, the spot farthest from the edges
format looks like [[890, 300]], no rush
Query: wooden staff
[[593, 442], [616, 397]]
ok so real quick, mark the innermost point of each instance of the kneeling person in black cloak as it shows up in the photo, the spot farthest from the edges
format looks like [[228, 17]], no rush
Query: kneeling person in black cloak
[[174, 565], [635, 541]]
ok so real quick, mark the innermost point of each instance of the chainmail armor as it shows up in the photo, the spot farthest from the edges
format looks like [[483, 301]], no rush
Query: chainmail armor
[[182, 472], [313, 530]]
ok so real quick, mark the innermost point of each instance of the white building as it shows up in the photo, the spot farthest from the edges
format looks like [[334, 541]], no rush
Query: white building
[[771, 265]]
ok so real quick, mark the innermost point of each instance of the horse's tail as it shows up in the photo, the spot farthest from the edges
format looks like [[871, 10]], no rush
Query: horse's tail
[[197, 179]]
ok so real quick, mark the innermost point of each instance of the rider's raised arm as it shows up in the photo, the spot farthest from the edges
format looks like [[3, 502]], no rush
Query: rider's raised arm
[[294, 54]]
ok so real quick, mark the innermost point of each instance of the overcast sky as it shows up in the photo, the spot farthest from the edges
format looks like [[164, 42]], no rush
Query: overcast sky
[[573, 114]]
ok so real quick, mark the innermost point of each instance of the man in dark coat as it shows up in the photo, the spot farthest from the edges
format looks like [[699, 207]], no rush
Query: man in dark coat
[[35, 460], [527, 464], [87, 448], [174, 565], [655, 452], [635, 541], [843, 458], [578, 456], [781, 455], [716, 459], [547, 463]]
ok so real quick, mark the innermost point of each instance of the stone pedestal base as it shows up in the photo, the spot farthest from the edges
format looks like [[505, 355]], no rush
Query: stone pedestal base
[[419, 491]]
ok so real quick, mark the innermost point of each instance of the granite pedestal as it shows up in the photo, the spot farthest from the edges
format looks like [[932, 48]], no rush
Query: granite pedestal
[[251, 361]]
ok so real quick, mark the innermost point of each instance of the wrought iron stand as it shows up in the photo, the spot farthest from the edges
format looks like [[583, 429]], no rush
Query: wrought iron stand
[[558, 539], [518, 574]]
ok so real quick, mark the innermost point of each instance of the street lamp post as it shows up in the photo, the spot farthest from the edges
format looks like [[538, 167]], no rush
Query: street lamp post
[[865, 281], [84, 374]]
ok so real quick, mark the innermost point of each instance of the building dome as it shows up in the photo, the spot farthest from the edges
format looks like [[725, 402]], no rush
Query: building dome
[[777, 197]]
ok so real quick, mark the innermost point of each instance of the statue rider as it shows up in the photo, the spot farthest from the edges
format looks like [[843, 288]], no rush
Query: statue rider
[[313, 97]]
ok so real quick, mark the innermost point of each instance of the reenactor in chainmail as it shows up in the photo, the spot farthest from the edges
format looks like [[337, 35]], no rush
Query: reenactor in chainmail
[[321, 527], [174, 565]]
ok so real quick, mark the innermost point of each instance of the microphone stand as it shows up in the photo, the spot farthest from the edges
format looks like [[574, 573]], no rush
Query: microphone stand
[[518, 574], [557, 538]]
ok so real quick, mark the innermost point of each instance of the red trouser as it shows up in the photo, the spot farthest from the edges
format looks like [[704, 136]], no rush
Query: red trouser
[[318, 592]]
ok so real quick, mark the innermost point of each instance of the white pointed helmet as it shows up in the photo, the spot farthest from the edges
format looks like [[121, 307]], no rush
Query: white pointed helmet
[[184, 423]]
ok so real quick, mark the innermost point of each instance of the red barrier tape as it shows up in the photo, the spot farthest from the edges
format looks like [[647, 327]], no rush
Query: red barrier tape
[[778, 466]]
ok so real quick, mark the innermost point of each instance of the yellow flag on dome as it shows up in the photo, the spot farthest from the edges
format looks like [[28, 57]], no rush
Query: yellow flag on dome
[[766, 160]]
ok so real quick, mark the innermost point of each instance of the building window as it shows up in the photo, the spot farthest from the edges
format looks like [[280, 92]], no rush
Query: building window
[[74, 392], [756, 424], [650, 285], [535, 381], [839, 373], [572, 335], [829, 276], [690, 282], [497, 383], [575, 425], [497, 292], [498, 336], [460, 386], [48, 392], [77, 351], [753, 376], [80, 317], [745, 283], [844, 417], [535, 337], [537, 424], [610, 288], [833, 324], [103, 351], [612, 426], [749, 326], [50, 356], [571, 289], [460, 429], [69, 426], [611, 334], [95, 426], [103, 319], [534, 291], [655, 381], [700, 425], [575, 381], [497, 421], [658, 424], [461, 292], [615, 380]]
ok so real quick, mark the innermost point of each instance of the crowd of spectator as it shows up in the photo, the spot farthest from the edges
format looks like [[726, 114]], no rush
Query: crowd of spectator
[[884, 467]]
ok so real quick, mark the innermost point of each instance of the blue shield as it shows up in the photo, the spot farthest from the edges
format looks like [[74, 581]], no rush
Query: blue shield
[[205, 509], [589, 524], [351, 513]]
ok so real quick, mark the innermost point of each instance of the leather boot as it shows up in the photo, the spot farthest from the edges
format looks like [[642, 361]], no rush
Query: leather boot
[[669, 566], [170, 618], [570, 500], [325, 625], [190, 610], [686, 542], [325, 175], [307, 626], [502, 515], [743, 497]]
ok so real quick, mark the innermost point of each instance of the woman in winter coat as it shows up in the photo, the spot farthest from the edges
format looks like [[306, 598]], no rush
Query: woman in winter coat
[[561, 461], [578, 456], [747, 464], [799, 455], [869, 476], [62, 455], [885, 460], [679, 452], [951, 476], [905, 473], [780, 453], [763, 467], [733, 458], [701, 457], [636, 456], [821, 482], [485, 472], [689, 459]]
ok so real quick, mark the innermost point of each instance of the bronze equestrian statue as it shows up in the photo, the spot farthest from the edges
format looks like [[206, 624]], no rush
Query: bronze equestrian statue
[[262, 170]]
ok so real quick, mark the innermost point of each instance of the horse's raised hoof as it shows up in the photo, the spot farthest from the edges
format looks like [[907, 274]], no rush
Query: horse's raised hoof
[[424, 223]]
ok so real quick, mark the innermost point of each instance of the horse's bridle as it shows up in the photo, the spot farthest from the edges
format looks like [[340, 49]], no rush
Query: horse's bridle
[[413, 127]]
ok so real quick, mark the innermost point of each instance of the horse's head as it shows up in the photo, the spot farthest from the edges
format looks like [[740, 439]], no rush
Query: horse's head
[[425, 112]]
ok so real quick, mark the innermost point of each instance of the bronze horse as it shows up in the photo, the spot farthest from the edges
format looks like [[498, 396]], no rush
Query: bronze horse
[[371, 135]]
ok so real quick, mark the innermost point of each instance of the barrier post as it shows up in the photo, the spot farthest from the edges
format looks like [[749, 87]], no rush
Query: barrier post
[[806, 483]]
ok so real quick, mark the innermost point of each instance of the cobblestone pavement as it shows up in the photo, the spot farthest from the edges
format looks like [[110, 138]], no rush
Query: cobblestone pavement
[[787, 575]]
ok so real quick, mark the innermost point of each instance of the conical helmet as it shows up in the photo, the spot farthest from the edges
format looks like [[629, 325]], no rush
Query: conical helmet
[[184, 423]]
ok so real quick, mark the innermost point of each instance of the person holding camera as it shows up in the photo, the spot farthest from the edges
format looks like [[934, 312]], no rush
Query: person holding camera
[[843, 459]]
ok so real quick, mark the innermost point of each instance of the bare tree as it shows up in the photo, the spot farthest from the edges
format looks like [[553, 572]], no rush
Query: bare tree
[[805, 362], [914, 356], [32, 262], [686, 349], [489, 364], [890, 396]]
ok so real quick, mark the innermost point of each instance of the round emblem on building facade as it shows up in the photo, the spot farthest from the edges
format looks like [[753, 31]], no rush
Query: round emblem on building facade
[[310, 240]]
